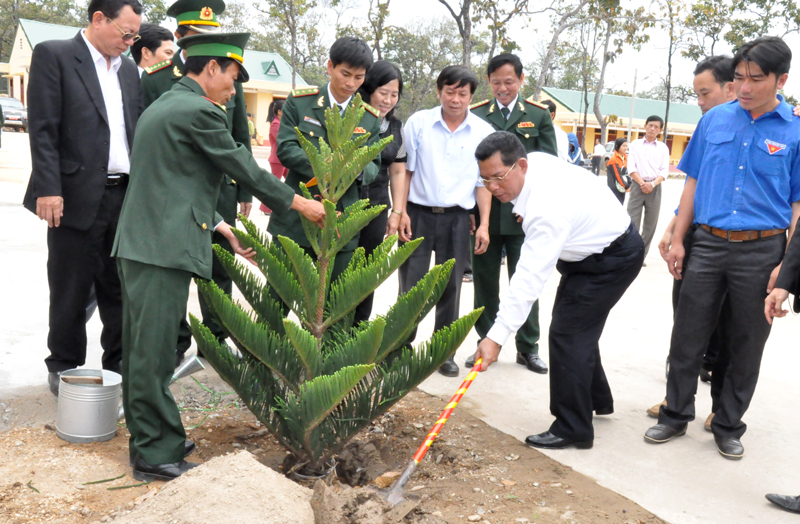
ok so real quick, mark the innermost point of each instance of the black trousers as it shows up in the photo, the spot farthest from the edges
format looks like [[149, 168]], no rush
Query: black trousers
[[740, 270], [716, 356], [370, 238], [587, 292], [447, 235], [596, 165], [77, 260]]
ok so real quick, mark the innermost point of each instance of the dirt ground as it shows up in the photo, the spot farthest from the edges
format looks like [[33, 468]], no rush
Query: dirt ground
[[472, 473]]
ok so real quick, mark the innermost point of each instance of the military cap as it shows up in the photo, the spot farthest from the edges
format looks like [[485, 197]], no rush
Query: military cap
[[197, 15], [223, 45]]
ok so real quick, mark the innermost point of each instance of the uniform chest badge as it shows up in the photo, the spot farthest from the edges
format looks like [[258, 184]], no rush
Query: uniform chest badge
[[312, 121], [176, 71], [774, 147], [526, 124], [359, 131]]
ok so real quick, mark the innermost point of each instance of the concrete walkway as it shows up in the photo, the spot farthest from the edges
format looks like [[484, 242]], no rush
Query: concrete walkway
[[684, 482]]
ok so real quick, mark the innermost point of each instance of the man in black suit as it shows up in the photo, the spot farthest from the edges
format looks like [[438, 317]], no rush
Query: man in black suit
[[83, 105]]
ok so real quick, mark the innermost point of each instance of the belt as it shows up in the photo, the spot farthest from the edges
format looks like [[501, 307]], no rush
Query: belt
[[439, 210], [117, 179], [742, 236], [617, 241]]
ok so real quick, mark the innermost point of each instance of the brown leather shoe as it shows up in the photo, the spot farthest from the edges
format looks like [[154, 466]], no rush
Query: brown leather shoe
[[653, 412], [707, 425]]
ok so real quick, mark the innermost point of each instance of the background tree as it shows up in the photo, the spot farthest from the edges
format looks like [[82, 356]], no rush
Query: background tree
[[154, 11], [290, 16], [672, 17], [498, 15], [706, 23], [377, 14], [63, 12], [462, 16]]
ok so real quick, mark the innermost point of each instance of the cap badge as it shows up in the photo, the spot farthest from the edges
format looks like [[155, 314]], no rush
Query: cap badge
[[206, 14]]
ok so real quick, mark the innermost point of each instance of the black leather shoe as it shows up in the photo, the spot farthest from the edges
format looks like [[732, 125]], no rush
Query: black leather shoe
[[532, 362], [606, 410], [786, 502], [53, 379], [449, 368], [547, 440], [188, 448], [470, 362], [147, 472], [730, 448], [661, 433]]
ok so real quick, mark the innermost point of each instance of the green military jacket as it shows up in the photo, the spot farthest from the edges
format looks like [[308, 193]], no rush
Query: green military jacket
[[531, 123], [181, 148], [160, 78], [305, 110]]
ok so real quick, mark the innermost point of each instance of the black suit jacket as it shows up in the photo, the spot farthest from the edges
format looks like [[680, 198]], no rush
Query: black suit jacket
[[789, 277], [68, 127]]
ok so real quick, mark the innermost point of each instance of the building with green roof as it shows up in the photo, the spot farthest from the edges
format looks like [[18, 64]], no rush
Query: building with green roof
[[570, 106]]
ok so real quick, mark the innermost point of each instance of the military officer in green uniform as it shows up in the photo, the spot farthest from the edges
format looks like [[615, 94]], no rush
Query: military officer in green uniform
[[531, 123], [200, 17], [350, 58], [181, 150]]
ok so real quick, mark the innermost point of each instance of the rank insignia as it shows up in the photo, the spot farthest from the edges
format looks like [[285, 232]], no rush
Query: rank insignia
[[176, 71], [216, 104], [774, 147], [359, 131], [206, 14], [526, 124], [312, 121], [305, 92]]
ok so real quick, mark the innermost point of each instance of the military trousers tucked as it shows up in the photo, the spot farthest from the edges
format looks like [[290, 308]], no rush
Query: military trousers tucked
[[77, 260], [647, 205], [447, 235], [486, 272], [153, 303], [716, 356], [220, 278], [718, 268], [586, 293]]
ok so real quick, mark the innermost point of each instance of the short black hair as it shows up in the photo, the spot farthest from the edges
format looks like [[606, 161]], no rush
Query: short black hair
[[618, 142], [551, 106], [381, 73], [111, 8], [500, 60], [152, 36], [654, 118], [459, 76], [351, 51], [182, 30], [503, 142], [196, 64], [770, 53], [721, 67]]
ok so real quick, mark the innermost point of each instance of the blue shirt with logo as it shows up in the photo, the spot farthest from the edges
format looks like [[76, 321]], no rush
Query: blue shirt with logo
[[747, 170]]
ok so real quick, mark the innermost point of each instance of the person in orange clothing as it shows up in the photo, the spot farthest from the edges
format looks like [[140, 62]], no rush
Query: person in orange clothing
[[618, 179], [274, 164]]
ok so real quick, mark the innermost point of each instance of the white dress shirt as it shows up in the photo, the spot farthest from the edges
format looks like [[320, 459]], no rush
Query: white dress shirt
[[443, 162], [566, 215], [141, 70], [343, 105], [562, 142], [118, 154], [510, 106], [649, 159]]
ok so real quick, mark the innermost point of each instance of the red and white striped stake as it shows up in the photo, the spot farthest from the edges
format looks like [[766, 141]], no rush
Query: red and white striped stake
[[395, 494]]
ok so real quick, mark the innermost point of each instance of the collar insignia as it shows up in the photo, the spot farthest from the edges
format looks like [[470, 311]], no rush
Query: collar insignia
[[176, 71], [216, 104], [321, 101]]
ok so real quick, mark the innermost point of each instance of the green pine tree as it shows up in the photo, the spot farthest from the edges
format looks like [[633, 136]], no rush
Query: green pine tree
[[316, 383]]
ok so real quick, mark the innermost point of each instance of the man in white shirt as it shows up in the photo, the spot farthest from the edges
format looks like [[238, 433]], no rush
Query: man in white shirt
[[648, 165], [579, 228], [597, 156], [562, 140], [155, 45], [442, 175]]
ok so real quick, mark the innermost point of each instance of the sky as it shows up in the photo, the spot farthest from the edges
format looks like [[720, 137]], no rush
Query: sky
[[650, 63]]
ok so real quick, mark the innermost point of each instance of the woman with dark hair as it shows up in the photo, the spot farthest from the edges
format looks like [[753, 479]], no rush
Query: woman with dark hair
[[275, 111], [381, 89], [617, 170]]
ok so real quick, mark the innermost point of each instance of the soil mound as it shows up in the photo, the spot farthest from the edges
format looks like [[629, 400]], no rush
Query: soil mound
[[230, 488]]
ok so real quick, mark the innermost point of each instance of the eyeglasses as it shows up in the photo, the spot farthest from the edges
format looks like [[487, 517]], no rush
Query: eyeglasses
[[126, 36], [497, 179]]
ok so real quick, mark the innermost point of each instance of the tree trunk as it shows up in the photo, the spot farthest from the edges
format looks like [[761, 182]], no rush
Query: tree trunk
[[293, 32], [669, 66], [565, 22], [464, 23], [599, 89]]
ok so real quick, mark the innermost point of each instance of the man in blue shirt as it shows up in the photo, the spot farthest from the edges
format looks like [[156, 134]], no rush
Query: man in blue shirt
[[742, 190]]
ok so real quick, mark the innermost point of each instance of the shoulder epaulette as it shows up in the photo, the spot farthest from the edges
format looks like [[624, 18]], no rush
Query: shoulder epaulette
[[479, 104], [157, 67], [217, 104], [304, 92], [533, 102], [371, 109]]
